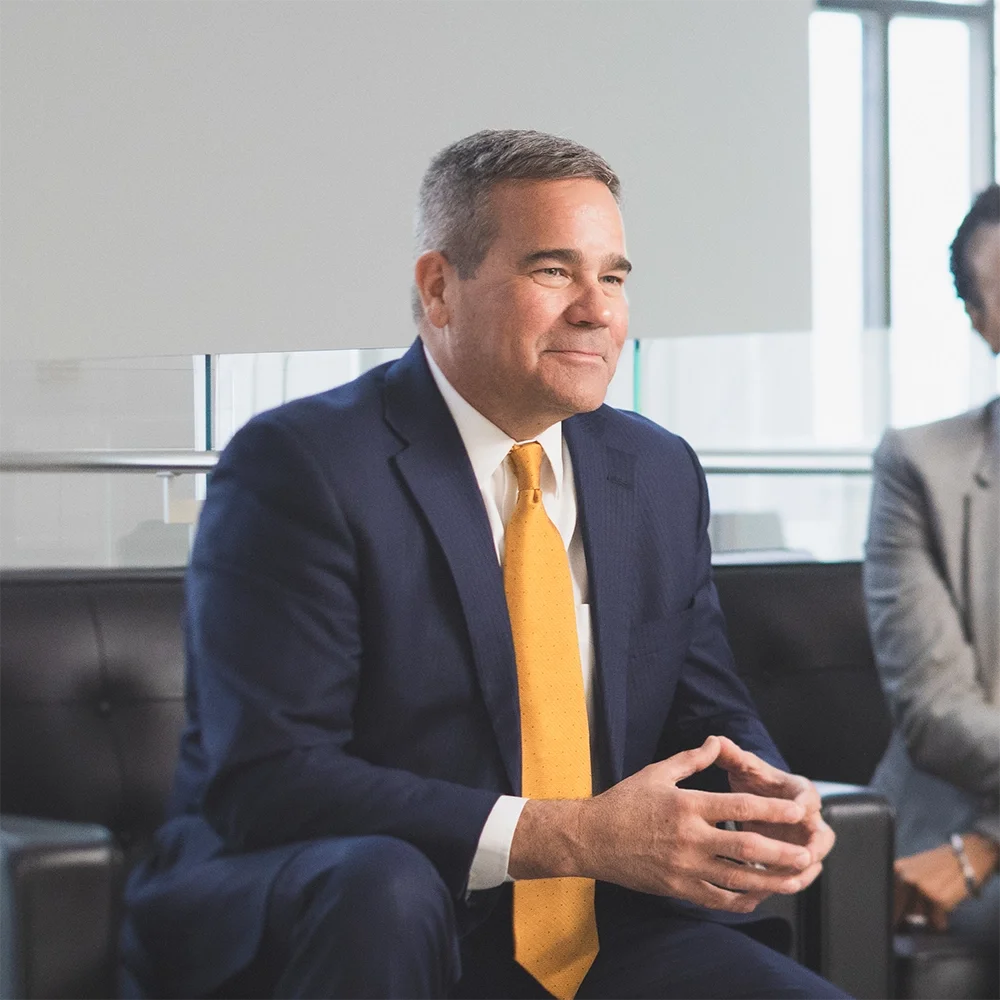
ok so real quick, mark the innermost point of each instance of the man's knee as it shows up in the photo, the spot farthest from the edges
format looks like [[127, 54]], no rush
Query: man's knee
[[370, 881], [393, 882], [384, 904]]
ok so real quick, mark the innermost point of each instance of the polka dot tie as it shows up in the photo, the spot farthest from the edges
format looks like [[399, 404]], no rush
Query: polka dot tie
[[555, 930]]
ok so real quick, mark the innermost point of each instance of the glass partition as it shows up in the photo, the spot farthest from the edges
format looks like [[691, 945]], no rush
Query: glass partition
[[86, 519], [131, 497], [94, 518], [789, 517]]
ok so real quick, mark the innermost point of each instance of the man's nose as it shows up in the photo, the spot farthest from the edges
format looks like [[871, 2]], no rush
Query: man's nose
[[591, 306]]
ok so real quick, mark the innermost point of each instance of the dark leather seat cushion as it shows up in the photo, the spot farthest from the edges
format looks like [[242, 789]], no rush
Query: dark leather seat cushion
[[92, 696]]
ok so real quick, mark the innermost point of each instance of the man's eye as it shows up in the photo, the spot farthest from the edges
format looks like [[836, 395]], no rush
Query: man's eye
[[613, 279], [551, 276]]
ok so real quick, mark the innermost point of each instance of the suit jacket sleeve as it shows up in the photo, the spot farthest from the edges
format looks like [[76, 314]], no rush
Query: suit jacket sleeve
[[274, 626], [711, 698], [927, 668]]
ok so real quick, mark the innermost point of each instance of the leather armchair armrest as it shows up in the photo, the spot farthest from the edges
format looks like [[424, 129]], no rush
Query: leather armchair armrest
[[840, 925], [61, 889], [847, 912]]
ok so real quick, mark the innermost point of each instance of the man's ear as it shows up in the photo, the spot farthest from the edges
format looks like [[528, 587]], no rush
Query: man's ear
[[431, 275]]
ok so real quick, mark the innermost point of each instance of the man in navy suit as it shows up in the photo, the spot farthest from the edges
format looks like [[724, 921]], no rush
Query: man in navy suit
[[347, 817]]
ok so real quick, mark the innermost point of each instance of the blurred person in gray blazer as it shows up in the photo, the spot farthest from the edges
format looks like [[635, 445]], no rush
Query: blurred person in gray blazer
[[932, 586]]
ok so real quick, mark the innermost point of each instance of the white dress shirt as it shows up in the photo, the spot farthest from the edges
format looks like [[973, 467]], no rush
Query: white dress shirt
[[488, 448]]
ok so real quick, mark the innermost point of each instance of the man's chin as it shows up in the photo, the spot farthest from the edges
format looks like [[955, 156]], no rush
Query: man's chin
[[577, 391], [583, 402]]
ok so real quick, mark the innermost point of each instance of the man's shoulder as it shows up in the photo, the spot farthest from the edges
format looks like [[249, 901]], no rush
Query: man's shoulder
[[341, 410], [357, 400], [337, 428], [630, 431]]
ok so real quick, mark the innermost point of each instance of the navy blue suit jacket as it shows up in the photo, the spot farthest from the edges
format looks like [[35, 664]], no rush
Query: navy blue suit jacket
[[350, 663]]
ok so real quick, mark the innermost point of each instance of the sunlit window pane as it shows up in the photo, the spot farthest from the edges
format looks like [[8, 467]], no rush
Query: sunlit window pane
[[835, 80], [929, 195]]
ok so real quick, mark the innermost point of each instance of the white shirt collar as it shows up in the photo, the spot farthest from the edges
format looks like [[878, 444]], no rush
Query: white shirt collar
[[486, 444]]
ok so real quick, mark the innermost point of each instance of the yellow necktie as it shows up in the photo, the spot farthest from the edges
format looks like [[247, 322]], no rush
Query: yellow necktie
[[555, 930]]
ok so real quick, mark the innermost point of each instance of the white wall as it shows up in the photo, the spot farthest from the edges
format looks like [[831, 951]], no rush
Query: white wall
[[189, 178]]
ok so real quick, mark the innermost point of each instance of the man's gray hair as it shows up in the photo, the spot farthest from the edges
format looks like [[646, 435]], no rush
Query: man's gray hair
[[453, 213]]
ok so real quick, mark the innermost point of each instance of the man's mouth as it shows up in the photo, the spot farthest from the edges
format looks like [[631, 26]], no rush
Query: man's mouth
[[573, 353]]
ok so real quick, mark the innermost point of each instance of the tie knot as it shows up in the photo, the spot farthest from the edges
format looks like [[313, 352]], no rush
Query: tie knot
[[527, 459]]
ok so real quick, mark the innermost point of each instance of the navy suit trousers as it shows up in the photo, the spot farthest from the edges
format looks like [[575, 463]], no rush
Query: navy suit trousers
[[370, 917]]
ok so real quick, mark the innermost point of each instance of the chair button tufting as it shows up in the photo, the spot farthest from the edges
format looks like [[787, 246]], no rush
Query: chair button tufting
[[104, 707]]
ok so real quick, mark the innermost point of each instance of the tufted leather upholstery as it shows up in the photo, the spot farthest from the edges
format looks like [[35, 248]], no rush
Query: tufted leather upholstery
[[799, 633], [92, 697], [92, 675], [91, 707]]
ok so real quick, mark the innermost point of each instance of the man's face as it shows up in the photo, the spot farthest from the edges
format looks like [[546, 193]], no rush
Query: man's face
[[984, 262], [535, 336]]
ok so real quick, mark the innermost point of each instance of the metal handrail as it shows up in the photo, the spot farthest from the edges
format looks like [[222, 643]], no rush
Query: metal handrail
[[811, 462], [793, 462], [108, 461]]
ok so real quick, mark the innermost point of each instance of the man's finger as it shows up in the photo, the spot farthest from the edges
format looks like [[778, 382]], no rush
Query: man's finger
[[734, 758], [765, 777], [742, 807], [683, 765], [706, 894], [809, 798], [745, 878], [811, 874], [821, 839], [755, 849]]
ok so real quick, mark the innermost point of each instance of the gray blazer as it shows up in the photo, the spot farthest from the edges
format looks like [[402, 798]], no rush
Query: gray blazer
[[932, 586]]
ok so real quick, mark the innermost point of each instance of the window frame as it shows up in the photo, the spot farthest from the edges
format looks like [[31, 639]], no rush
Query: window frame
[[875, 16]]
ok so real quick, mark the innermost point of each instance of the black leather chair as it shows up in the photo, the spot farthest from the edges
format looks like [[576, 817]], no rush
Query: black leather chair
[[800, 638], [91, 705]]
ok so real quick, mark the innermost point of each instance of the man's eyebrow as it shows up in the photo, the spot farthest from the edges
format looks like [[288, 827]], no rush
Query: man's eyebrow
[[616, 262], [612, 262], [563, 254]]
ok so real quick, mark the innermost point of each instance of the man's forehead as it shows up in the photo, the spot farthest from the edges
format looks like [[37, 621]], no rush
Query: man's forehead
[[527, 212]]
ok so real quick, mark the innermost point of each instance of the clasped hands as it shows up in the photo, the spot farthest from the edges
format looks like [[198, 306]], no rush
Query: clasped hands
[[647, 834]]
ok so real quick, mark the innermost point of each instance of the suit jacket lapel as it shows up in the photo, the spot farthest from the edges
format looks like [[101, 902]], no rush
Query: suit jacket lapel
[[983, 551], [605, 492], [436, 468]]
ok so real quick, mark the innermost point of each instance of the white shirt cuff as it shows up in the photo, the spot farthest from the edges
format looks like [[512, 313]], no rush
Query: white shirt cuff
[[489, 866]]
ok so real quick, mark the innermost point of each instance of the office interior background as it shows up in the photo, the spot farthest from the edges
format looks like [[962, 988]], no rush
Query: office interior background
[[208, 207]]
